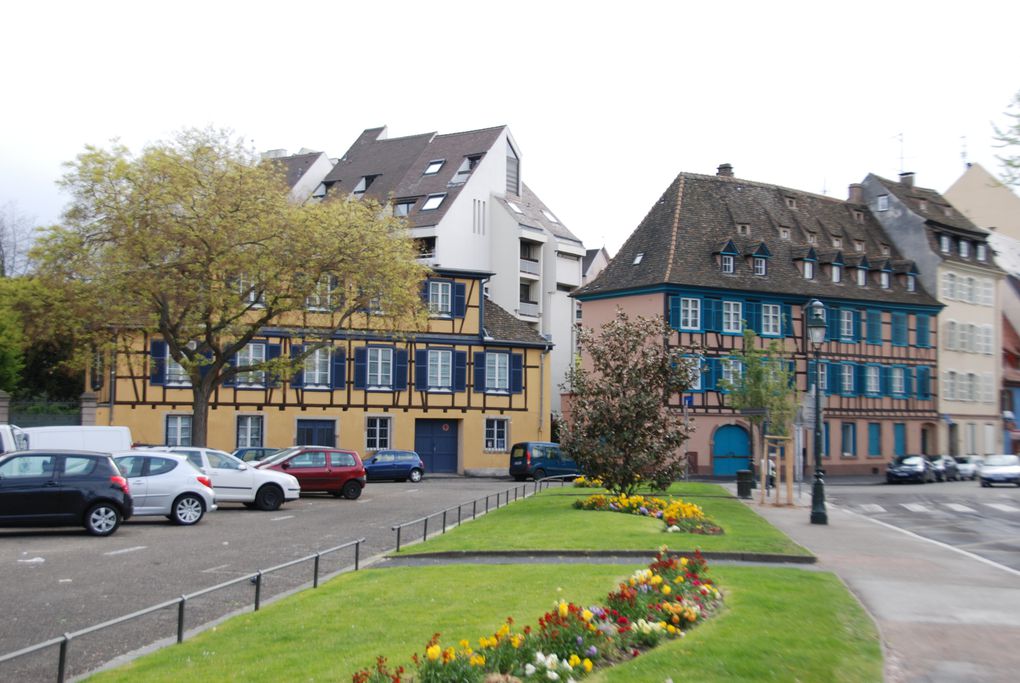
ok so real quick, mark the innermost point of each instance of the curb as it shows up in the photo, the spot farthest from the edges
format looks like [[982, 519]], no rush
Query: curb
[[766, 558]]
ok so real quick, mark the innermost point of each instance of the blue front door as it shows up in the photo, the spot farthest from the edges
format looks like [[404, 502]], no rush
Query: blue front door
[[731, 451], [900, 439], [436, 443], [316, 433]]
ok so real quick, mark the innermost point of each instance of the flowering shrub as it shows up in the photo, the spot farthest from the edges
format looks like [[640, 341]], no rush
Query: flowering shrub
[[676, 514], [662, 601], [585, 482]]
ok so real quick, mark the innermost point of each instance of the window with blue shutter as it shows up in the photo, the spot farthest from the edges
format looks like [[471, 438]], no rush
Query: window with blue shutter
[[360, 367], [886, 380], [516, 373], [400, 370], [157, 362], [272, 352], [752, 311], [832, 322], [874, 439], [460, 370], [899, 328], [924, 383], [421, 370], [834, 373], [459, 300], [923, 330], [860, 380], [297, 380], [874, 325], [712, 314], [338, 373], [674, 312], [787, 320], [479, 383], [857, 325], [825, 440]]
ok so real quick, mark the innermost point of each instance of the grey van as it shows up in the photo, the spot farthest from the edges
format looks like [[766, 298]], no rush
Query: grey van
[[539, 459]]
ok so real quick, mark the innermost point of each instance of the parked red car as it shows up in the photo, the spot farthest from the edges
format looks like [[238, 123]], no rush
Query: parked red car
[[332, 470]]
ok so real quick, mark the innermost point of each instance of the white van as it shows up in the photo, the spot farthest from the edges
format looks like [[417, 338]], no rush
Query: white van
[[12, 438], [70, 437]]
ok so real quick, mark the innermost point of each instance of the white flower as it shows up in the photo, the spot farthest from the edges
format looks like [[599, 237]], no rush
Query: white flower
[[673, 529], [552, 662], [540, 658], [529, 669], [552, 675]]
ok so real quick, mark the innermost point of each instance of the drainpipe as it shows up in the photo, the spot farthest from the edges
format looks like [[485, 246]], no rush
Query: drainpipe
[[541, 394]]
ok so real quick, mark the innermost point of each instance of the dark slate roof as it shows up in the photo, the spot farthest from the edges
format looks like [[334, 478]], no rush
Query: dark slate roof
[[534, 215], [399, 164], [940, 216], [697, 213], [500, 325], [296, 165], [589, 257]]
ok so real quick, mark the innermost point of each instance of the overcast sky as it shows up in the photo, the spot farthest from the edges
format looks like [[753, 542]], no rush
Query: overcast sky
[[608, 101]]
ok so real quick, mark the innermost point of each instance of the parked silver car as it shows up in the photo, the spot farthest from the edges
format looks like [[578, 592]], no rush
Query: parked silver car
[[968, 466], [166, 484], [1000, 469]]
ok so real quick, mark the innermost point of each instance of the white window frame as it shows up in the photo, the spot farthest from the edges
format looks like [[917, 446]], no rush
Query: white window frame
[[847, 379], [441, 298], [434, 166], [731, 370], [690, 314], [175, 374], [761, 266], [771, 320], [846, 324], [175, 433], [732, 316], [251, 354], [883, 279], [873, 379], [695, 363], [945, 244], [911, 283], [950, 388], [964, 249], [949, 285], [897, 381], [726, 264], [882, 203], [823, 377], [981, 252], [322, 299], [250, 431], [378, 432], [432, 202], [497, 372], [848, 429], [440, 370], [862, 277], [496, 436], [317, 368], [379, 370], [809, 270], [837, 273], [990, 440]]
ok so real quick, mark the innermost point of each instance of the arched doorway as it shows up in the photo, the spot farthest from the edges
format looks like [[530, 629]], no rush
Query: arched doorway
[[731, 451], [929, 443]]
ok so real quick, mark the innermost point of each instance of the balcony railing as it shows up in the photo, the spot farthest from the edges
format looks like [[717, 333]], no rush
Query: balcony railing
[[529, 308], [530, 266]]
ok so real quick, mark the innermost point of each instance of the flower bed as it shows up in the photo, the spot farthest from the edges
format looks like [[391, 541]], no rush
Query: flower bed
[[584, 482], [677, 515], [660, 602]]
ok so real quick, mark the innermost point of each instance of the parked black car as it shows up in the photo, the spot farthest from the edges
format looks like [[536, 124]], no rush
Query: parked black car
[[910, 468], [396, 465], [945, 468], [63, 488]]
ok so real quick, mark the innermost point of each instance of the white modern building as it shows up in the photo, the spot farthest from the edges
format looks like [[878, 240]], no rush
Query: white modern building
[[304, 170], [469, 209]]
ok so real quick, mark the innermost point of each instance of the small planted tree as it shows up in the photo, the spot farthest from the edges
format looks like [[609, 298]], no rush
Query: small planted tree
[[621, 428]]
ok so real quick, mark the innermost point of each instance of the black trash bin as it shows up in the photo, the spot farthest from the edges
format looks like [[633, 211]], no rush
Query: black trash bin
[[744, 480]]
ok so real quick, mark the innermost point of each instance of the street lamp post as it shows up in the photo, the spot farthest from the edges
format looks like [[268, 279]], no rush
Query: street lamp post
[[816, 334]]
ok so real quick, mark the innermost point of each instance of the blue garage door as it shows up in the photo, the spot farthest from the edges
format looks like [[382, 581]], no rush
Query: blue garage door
[[731, 451], [316, 433], [436, 443]]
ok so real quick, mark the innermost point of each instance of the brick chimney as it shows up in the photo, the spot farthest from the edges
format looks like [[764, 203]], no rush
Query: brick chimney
[[907, 179], [856, 194], [725, 170]]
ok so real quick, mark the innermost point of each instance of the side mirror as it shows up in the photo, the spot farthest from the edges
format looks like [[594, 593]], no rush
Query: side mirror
[[286, 465], [242, 467]]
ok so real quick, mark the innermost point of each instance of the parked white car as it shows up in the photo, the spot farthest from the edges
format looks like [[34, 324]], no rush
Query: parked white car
[[166, 484], [238, 482], [1000, 469], [968, 466]]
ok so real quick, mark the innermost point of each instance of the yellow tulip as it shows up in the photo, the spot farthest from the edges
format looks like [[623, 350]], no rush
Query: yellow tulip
[[666, 590], [586, 615], [433, 652], [587, 665]]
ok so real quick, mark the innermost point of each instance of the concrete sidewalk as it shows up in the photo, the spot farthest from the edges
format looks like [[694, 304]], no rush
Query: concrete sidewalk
[[943, 615]]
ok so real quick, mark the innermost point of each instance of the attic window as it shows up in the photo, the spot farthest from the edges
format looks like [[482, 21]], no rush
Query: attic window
[[433, 202], [837, 273], [883, 203], [726, 263], [837, 243], [862, 277], [465, 169], [948, 210], [922, 205], [320, 191], [743, 229], [760, 266], [964, 249], [858, 246], [883, 279], [885, 250], [403, 208], [434, 166], [981, 252], [547, 214], [514, 207], [784, 233], [364, 184], [791, 203], [945, 244], [637, 259], [910, 283], [812, 238], [858, 216]]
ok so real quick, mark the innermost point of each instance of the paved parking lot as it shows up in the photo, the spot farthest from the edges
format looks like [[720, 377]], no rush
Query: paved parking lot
[[56, 581]]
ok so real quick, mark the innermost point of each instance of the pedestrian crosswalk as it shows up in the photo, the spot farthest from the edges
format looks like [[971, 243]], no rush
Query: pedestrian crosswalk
[[931, 507]]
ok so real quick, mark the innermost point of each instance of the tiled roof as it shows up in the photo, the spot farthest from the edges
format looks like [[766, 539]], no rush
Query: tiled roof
[[696, 214], [296, 165], [399, 165], [534, 214], [500, 325]]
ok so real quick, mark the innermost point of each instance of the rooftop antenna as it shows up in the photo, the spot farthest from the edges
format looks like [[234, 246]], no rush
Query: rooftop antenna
[[900, 137], [825, 186], [963, 151]]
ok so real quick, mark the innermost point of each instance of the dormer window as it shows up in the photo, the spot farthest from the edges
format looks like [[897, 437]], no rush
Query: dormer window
[[883, 203], [761, 266], [784, 233], [964, 249], [403, 208], [809, 270], [637, 259], [726, 263], [862, 277], [858, 216], [837, 243], [858, 246], [548, 215], [981, 252], [911, 284], [791, 203], [743, 229], [465, 169], [837, 273], [945, 244], [433, 202], [922, 205], [363, 185], [319, 192], [883, 279], [514, 207], [812, 238], [434, 166], [948, 210], [885, 250]]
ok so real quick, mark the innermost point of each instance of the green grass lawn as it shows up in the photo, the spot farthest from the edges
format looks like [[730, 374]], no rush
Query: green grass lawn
[[778, 624], [548, 521]]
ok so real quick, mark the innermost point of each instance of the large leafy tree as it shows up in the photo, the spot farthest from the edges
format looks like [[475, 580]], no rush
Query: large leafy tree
[[1008, 137], [620, 426], [194, 241]]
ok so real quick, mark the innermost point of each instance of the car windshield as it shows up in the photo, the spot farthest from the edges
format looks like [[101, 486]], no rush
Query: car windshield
[[1001, 460], [909, 460], [280, 455]]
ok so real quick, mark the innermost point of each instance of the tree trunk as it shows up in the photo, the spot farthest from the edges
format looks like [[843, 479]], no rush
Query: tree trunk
[[200, 414]]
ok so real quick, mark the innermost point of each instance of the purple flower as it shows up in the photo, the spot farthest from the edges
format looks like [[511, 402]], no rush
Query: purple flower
[[580, 641], [592, 651], [644, 510]]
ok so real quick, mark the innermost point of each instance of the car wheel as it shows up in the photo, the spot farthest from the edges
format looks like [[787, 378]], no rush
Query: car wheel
[[985, 484], [351, 490], [102, 519], [187, 510], [539, 474], [415, 475], [269, 498]]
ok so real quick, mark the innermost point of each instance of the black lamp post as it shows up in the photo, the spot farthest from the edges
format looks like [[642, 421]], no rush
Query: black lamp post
[[816, 334]]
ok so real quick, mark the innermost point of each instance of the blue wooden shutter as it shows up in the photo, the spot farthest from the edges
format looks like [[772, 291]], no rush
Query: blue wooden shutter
[[899, 328], [752, 315], [157, 362], [787, 320], [516, 373], [710, 374], [835, 378], [885, 373], [400, 370], [908, 382], [338, 374], [459, 300], [674, 312], [711, 311], [924, 383], [459, 370], [361, 367], [421, 370], [860, 380], [874, 332], [272, 352], [425, 291], [857, 325], [479, 372], [297, 380], [923, 330], [832, 321]]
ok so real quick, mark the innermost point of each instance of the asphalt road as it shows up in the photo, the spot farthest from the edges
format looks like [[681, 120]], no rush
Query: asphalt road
[[58, 581], [981, 521]]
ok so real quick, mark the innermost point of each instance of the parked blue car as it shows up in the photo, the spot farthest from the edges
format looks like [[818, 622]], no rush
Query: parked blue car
[[395, 465], [539, 459]]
